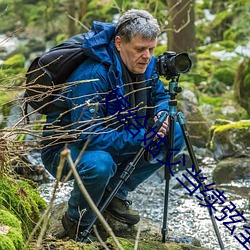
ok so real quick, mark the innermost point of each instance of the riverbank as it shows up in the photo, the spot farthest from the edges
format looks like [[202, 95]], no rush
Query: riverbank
[[186, 218]]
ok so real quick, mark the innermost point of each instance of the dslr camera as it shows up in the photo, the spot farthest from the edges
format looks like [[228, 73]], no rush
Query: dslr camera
[[171, 65]]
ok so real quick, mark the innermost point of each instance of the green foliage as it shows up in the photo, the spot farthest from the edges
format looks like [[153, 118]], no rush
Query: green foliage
[[214, 101], [219, 102], [6, 243], [13, 238], [17, 61], [22, 200], [12, 67], [229, 23], [225, 75]]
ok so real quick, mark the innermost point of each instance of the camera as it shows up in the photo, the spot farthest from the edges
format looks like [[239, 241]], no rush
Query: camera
[[171, 65]]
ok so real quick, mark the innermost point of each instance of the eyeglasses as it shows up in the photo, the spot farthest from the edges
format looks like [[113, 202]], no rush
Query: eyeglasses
[[124, 24]]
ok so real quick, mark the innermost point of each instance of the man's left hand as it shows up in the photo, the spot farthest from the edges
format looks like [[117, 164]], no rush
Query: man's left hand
[[165, 126]]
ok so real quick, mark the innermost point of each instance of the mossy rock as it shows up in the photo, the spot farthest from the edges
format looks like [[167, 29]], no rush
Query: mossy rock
[[22, 200], [230, 139], [242, 85], [128, 244], [11, 237]]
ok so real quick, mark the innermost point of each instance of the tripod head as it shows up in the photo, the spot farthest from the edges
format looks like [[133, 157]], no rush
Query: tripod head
[[174, 89]]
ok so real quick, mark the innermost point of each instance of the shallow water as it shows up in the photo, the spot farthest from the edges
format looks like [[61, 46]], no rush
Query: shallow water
[[185, 216]]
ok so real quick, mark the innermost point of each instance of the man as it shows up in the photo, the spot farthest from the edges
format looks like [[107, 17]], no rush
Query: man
[[123, 79]]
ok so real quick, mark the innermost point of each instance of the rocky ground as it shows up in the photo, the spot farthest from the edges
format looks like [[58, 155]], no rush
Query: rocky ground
[[149, 237]]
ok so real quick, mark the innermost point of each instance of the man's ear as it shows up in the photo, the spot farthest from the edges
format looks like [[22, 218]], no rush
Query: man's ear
[[118, 42]]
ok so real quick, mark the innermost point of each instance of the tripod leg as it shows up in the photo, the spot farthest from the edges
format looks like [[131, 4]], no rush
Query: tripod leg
[[196, 167], [164, 229]]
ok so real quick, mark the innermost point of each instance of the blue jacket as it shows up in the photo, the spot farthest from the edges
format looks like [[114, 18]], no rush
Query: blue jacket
[[86, 116]]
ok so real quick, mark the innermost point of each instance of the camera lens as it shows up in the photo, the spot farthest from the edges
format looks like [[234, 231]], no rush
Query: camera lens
[[170, 64], [182, 63]]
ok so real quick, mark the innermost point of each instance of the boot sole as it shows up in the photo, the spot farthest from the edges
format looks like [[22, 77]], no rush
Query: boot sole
[[121, 219]]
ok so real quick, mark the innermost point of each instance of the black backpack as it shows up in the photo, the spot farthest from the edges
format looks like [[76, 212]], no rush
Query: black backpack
[[47, 74]]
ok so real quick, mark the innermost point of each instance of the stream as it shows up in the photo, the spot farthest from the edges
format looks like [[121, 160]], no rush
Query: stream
[[186, 217]]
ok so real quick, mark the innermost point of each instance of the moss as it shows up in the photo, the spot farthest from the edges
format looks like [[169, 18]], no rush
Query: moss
[[13, 71], [13, 239], [225, 75], [128, 244], [214, 101], [219, 103], [6, 243], [16, 237], [9, 219], [16, 61], [21, 199], [221, 132], [242, 84], [235, 125]]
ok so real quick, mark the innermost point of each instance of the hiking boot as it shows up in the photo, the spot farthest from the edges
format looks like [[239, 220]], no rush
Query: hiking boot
[[75, 231], [121, 211]]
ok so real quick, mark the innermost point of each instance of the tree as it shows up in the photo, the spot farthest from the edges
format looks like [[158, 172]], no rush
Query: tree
[[181, 27]]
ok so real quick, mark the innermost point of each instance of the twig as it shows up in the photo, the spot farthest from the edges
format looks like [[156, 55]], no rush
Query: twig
[[99, 238], [77, 21], [66, 154], [137, 236]]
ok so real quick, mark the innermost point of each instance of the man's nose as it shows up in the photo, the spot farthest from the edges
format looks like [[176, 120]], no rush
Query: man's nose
[[146, 54]]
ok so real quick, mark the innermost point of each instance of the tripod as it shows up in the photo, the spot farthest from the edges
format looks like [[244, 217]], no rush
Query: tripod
[[173, 90], [127, 171]]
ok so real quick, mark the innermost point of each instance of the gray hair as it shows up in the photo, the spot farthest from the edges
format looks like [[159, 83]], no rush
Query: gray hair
[[137, 22]]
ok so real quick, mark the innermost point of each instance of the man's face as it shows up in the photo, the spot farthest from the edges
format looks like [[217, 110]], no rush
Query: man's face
[[137, 53]]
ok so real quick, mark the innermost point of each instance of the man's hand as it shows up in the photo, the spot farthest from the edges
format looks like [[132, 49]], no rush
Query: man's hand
[[164, 128]]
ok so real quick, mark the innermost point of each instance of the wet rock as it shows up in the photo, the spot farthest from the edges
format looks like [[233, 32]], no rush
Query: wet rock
[[197, 125], [149, 233], [231, 139], [231, 169]]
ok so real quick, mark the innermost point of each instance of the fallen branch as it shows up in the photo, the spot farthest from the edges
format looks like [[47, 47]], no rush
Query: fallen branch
[[66, 154]]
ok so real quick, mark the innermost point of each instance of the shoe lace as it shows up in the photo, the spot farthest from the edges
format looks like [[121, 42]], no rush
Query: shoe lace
[[127, 203]]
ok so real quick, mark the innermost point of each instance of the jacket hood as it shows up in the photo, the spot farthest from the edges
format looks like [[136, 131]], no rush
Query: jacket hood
[[98, 43]]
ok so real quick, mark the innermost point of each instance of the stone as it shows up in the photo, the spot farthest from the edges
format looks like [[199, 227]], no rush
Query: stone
[[231, 169], [232, 139]]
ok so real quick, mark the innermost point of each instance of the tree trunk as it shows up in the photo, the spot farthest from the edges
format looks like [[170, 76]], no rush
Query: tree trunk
[[71, 6], [181, 27], [83, 7]]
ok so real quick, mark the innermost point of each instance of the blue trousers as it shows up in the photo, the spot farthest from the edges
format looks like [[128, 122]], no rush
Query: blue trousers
[[99, 170]]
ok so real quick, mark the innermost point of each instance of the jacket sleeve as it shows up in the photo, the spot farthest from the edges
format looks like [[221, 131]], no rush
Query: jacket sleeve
[[89, 120]]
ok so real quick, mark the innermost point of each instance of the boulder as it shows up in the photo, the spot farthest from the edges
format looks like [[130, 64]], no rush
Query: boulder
[[149, 238], [196, 123], [230, 139], [231, 169]]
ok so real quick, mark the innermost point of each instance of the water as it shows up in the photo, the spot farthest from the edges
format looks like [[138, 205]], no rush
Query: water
[[185, 216]]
